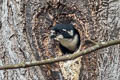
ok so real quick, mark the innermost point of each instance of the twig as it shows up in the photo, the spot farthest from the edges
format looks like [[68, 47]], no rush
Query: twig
[[62, 58]]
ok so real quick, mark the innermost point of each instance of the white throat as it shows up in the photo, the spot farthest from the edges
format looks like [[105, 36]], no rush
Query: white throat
[[70, 44]]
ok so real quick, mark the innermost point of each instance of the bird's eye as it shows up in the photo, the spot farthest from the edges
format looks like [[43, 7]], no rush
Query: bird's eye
[[59, 31], [62, 31]]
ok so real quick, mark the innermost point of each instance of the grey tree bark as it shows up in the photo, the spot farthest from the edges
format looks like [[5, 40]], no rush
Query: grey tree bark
[[14, 47], [24, 36], [109, 59]]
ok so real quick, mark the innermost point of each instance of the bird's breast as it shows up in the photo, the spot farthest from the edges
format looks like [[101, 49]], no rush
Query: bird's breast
[[70, 44]]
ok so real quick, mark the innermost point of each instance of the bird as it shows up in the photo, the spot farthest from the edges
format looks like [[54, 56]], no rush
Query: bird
[[67, 36]]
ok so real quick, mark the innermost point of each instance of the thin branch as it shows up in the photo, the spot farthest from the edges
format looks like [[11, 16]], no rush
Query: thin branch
[[62, 58]]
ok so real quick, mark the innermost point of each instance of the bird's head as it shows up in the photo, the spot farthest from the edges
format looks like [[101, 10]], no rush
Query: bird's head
[[67, 36], [62, 31]]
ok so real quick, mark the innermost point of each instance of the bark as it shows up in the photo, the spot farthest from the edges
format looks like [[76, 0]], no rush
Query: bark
[[109, 59], [14, 46], [24, 36]]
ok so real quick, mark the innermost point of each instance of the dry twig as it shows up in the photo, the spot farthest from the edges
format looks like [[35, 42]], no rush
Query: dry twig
[[62, 58]]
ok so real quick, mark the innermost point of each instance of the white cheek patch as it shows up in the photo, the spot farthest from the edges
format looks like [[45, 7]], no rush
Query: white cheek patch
[[64, 29], [70, 32], [59, 37]]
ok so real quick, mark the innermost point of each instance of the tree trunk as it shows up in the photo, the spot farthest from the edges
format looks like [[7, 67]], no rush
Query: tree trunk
[[14, 47], [24, 37], [109, 58]]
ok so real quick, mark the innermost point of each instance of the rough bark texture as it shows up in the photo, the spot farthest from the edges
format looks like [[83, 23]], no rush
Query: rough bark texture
[[109, 58], [14, 47], [24, 36]]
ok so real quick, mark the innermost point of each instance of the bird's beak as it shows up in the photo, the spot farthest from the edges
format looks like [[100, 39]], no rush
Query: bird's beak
[[55, 36], [52, 35]]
